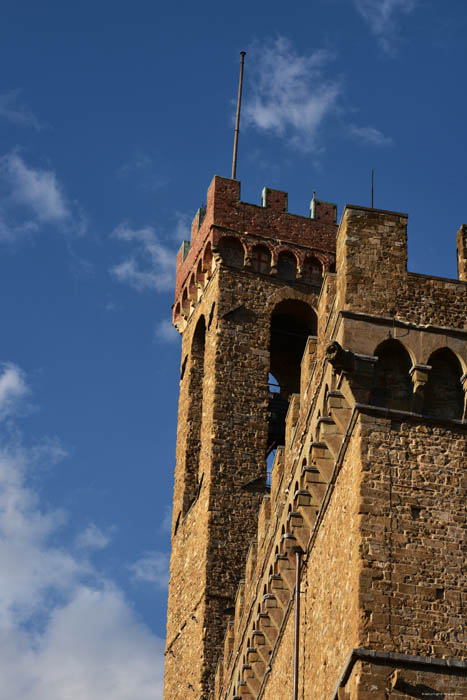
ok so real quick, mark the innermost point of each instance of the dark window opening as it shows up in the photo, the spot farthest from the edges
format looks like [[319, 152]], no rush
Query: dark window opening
[[286, 266], [261, 259], [231, 251], [312, 271], [444, 396], [392, 385], [195, 415], [292, 322]]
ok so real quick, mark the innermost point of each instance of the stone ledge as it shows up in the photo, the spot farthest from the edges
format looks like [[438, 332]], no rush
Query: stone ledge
[[389, 658]]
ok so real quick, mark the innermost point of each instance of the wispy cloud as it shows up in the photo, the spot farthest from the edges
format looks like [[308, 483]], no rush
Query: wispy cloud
[[93, 537], [290, 94], [369, 135], [293, 97], [151, 266], [13, 388], [182, 228], [165, 332], [13, 111], [31, 198], [66, 630], [382, 16], [153, 568], [141, 169]]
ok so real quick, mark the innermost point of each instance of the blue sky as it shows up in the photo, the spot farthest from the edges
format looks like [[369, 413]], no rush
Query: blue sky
[[113, 119]]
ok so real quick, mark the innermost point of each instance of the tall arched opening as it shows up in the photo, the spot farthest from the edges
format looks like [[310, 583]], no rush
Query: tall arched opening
[[292, 322], [195, 414], [444, 395], [392, 385]]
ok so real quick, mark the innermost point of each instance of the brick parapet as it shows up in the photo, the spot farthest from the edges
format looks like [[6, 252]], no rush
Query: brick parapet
[[271, 221]]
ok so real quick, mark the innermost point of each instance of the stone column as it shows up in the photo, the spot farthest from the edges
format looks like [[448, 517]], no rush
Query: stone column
[[419, 375], [464, 386]]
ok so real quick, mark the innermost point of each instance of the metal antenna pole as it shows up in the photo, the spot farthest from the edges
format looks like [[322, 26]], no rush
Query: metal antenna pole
[[237, 120], [372, 186]]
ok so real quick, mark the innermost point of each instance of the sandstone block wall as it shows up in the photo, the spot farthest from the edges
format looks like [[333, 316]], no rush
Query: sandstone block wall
[[374, 495]]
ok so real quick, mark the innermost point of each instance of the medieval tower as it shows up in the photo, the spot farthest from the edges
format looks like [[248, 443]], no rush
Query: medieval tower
[[319, 515]]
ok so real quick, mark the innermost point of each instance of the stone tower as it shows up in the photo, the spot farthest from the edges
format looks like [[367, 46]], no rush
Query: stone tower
[[246, 287], [312, 349]]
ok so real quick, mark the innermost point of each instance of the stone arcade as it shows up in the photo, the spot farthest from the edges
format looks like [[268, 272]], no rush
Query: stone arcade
[[310, 348]]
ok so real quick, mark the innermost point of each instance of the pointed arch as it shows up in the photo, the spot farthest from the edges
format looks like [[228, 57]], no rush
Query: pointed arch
[[195, 415], [292, 322], [312, 271], [231, 251], [444, 395], [392, 385], [207, 259], [287, 266], [261, 259]]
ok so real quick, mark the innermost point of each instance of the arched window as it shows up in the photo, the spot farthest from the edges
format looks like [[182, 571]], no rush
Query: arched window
[[192, 289], [392, 385], [261, 259], [292, 321], [444, 396], [207, 259], [286, 266], [231, 251], [185, 302], [199, 272], [195, 415], [312, 271]]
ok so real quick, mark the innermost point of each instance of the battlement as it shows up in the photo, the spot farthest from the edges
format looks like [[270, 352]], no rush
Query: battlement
[[316, 342], [270, 220]]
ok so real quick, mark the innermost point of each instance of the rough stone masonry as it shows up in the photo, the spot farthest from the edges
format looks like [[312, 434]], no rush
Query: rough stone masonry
[[322, 420]]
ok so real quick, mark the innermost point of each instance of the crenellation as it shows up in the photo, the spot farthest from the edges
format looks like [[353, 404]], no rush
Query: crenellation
[[357, 379]]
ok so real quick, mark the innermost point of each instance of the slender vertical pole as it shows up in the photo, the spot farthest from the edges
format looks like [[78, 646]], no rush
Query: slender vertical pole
[[237, 120], [372, 186], [296, 657]]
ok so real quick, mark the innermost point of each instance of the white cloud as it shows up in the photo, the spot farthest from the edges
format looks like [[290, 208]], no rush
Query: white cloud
[[153, 567], [182, 229], [152, 264], [93, 538], [11, 110], [382, 17], [66, 631], [31, 198], [369, 135], [165, 332], [291, 97], [13, 388]]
